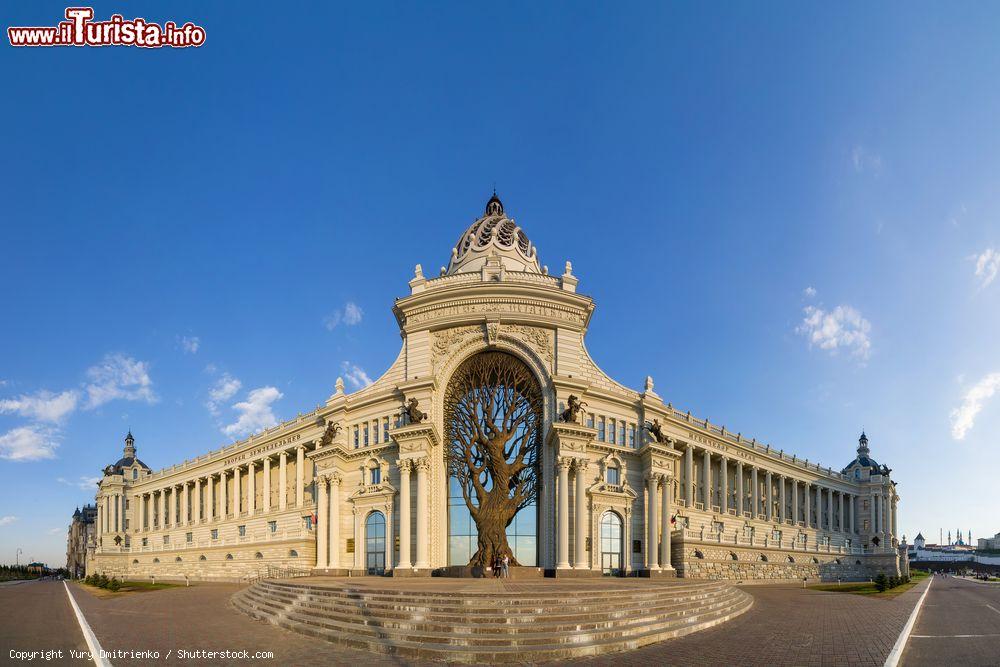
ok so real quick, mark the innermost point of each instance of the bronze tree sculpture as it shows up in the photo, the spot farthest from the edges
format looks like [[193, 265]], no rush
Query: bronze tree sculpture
[[493, 413]]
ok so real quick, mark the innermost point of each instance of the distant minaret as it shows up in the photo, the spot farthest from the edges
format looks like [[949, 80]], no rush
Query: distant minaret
[[940, 535], [949, 538]]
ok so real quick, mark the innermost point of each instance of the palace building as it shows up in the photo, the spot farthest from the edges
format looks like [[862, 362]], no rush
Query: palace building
[[494, 433]]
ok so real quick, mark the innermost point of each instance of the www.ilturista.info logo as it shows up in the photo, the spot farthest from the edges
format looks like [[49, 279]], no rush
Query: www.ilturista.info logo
[[81, 30]]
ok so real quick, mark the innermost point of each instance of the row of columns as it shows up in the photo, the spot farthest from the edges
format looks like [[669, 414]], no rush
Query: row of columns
[[762, 505], [217, 509], [111, 513], [658, 495], [579, 467]]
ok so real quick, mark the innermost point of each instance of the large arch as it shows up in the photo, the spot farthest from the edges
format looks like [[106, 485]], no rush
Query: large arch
[[375, 542]]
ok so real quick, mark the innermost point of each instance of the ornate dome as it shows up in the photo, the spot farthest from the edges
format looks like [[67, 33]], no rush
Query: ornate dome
[[494, 236]]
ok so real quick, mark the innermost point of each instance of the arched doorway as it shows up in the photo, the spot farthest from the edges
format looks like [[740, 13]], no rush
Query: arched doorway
[[375, 543], [611, 544]]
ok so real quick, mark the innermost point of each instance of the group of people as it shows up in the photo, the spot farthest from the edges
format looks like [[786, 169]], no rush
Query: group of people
[[501, 567]]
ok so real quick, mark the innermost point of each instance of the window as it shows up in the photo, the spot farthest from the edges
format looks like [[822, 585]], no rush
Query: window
[[157, 560], [293, 554], [600, 429], [229, 556], [272, 526], [215, 533], [242, 530], [366, 434], [258, 555], [611, 432], [135, 561], [177, 560], [189, 537], [802, 539], [356, 437], [375, 431], [202, 557], [135, 473], [385, 429], [590, 421], [631, 437], [866, 525], [776, 535], [376, 475], [145, 541], [166, 539], [614, 476], [748, 532], [718, 526], [308, 522], [857, 473]]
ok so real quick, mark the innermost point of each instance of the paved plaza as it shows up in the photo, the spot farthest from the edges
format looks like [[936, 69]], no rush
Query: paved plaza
[[787, 625]]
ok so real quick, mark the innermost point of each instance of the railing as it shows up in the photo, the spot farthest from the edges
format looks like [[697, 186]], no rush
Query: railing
[[706, 534], [276, 572]]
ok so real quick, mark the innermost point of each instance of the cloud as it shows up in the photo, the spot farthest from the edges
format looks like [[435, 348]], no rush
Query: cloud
[[963, 417], [223, 389], [28, 443], [7, 520], [189, 344], [840, 328], [84, 483], [809, 292], [42, 406], [356, 375], [255, 412], [119, 377], [865, 160], [987, 266], [350, 315], [56, 531]]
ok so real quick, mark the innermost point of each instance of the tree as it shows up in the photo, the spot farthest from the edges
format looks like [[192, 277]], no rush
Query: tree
[[493, 413]]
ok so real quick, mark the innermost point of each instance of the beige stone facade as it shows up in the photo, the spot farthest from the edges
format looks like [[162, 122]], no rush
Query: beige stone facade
[[676, 485]]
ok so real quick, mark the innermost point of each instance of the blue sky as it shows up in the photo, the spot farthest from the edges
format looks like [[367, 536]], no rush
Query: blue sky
[[787, 215]]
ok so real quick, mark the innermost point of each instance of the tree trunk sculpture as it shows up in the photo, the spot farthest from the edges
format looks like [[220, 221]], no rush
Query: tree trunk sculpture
[[493, 412]]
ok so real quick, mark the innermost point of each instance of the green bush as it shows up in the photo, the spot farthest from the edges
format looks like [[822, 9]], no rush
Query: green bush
[[893, 581], [104, 581], [114, 584], [881, 582]]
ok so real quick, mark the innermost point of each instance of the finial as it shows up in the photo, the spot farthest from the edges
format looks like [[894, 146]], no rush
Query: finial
[[418, 271]]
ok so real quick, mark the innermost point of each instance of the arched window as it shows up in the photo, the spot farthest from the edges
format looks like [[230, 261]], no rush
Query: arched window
[[763, 558], [135, 561], [258, 555], [698, 554], [202, 557], [177, 560], [815, 560], [375, 543], [229, 556], [293, 554], [156, 560], [733, 556], [612, 541], [791, 560]]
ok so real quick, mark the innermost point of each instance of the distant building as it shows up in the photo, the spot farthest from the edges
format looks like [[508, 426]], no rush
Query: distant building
[[989, 543], [81, 537], [38, 568]]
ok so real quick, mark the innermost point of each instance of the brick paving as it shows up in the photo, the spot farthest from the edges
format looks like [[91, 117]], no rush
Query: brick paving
[[786, 626]]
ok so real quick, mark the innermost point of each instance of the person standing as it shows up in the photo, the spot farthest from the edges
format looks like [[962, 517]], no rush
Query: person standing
[[505, 566]]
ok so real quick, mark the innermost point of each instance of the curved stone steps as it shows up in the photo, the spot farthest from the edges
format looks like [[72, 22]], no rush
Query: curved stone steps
[[476, 628]]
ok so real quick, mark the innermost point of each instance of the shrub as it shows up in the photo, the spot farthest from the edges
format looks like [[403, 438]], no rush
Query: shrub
[[893, 581], [881, 582], [114, 585], [104, 581]]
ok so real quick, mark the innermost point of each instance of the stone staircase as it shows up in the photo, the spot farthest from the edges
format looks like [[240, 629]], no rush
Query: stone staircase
[[512, 623]]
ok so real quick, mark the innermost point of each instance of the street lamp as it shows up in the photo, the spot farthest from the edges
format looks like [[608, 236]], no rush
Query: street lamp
[[17, 557]]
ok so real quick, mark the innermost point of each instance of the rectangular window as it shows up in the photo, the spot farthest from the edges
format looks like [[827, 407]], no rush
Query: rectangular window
[[356, 438], [366, 435], [614, 476], [242, 530], [308, 522], [621, 434], [776, 535], [802, 539], [145, 541], [748, 532], [611, 432], [600, 429], [376, 475], [215, 533], [189, 537], [385, 429], [718, 526], [631, 437], [590, 421], [166, 539], [272, 526], [375, 431]]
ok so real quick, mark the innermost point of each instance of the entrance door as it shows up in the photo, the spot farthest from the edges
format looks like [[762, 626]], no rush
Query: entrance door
[[375, 543], [611, 545]]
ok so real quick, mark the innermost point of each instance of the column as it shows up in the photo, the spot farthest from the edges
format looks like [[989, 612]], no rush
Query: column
[[184, 504], [651, 501], [850, 509], [665, 524], [252, 489], [423, 562], [118, 513], [690, 488], [282, 480], [894, 527], [322, 532], [829, 504], [236, 491], [163, 509], [840, 511], [563, 533], [223, 504], [197, 501], [267, 484], [405, 517], [795, 501], [141, 504], [781, 499], [580, 562], [819, 507], [769, 508], [805, 498], [754, 493], [335, 521], [740, 495], [210, 498], [724, 484], [100, 516], [707, 474], [172, 507], [300, 464]]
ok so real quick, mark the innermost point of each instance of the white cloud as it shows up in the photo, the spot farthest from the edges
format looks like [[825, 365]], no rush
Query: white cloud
[[119, 377], [84, 483], [7, 520], [56, 531], [42, 406], [223, 389], [28, 443], [350, 315], [255, 412], [189, 344], [987, 266], [809, 292], [840, 328], [865, 160], [356, 375], [963, 417]]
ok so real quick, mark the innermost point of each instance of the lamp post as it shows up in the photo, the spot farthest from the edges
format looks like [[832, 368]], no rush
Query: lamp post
[[17, 557]]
